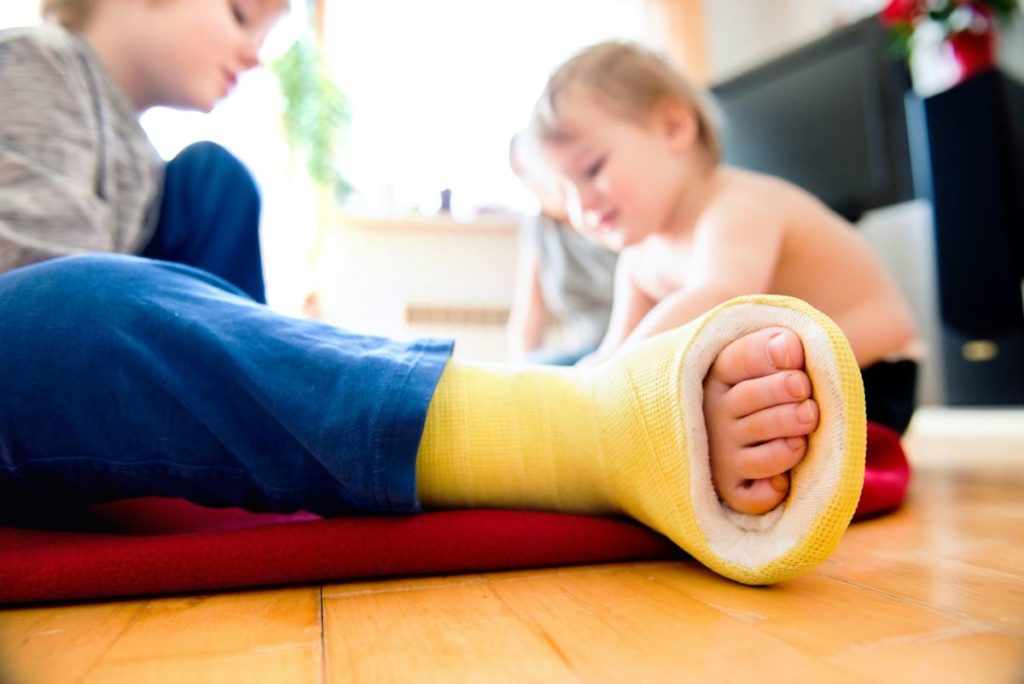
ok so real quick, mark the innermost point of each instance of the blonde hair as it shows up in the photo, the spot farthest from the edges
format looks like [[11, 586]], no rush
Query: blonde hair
[[72, 14], [628, 80]]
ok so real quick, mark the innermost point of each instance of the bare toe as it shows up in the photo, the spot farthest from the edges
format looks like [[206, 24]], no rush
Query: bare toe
[[757, 394], [758, 479], [770, 459], [782, 420], [758, 497], [758, 354]]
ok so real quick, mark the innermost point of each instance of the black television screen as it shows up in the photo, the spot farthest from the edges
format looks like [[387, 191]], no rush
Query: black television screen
[[828, 116]]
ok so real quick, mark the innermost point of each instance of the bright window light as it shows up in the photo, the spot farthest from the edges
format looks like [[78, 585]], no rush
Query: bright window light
[[19, 13], [438, 88]]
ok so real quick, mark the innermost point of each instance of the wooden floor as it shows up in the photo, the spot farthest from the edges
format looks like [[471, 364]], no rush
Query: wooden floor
[[933, 593]]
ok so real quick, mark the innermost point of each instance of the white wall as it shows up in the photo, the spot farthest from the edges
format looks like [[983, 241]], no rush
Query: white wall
[[373, 271], [743, 33]]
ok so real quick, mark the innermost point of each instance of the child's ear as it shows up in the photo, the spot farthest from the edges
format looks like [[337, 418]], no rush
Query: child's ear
[[678, 123]]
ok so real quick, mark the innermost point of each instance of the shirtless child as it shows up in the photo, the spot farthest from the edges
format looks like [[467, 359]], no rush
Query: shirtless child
[[638, 154]]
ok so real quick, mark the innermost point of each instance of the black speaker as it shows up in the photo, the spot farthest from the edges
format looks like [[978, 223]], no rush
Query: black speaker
[[968, 160]]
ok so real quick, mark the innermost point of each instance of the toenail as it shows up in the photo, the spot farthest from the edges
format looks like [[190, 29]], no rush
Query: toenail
[[780, 483], [778, 351], [796, 386], [794, 443], [805, 412]]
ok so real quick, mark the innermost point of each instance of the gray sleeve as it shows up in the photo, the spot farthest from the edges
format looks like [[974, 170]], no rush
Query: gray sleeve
[[529, 233], [50, 202]]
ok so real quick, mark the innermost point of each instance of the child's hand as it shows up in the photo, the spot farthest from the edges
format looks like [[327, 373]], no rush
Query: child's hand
[[758, 410]]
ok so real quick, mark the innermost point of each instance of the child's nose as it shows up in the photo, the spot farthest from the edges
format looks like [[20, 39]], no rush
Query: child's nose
[[587, 198], [249, 56]]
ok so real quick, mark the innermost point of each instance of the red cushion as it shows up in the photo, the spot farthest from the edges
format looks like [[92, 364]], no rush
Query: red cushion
[[161, 546], [886, 474], [157, 546]]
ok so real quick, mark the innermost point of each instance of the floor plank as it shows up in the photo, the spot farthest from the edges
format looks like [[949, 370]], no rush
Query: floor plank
[[609, 623], [60, 644], [953, 657], [817, 614], [232, 637]]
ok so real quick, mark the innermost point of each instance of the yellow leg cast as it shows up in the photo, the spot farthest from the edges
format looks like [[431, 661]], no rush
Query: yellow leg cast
[[629, 437]]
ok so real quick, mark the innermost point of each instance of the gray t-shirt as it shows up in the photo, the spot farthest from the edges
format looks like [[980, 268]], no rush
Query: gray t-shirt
[[576, 279], [77, 172]]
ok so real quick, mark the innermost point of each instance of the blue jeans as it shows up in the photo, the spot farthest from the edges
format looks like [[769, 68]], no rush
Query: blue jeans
[[126, 377], [210, 218]]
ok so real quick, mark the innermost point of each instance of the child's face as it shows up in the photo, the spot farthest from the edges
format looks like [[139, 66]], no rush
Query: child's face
[[621, 177], [190, 53]]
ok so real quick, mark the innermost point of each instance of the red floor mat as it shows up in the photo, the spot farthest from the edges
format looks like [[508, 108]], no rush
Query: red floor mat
[[162, 546]]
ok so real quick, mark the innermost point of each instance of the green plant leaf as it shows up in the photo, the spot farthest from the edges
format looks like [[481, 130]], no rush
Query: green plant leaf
[[316, 112]]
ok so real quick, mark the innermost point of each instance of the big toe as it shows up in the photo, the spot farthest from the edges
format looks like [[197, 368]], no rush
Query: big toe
[[758, 354]]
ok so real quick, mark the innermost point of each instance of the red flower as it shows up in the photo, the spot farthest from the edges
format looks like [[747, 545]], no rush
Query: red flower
[[974, 52], [902, 12], [967, 26]]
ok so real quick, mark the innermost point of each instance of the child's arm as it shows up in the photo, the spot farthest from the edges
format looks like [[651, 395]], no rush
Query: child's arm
[[51, 202], [736, 247], [529, 315], [629, 306]]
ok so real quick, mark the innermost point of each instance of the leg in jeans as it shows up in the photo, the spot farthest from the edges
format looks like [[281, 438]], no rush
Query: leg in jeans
[[209, 217], [129, 377]]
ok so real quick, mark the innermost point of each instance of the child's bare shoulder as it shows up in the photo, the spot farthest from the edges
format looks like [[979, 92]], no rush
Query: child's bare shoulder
[[738, 195], [771, 197], [741, 184]]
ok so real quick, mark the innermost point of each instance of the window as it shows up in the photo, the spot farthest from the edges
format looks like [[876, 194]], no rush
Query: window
[[438, 88], [19, 14]]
